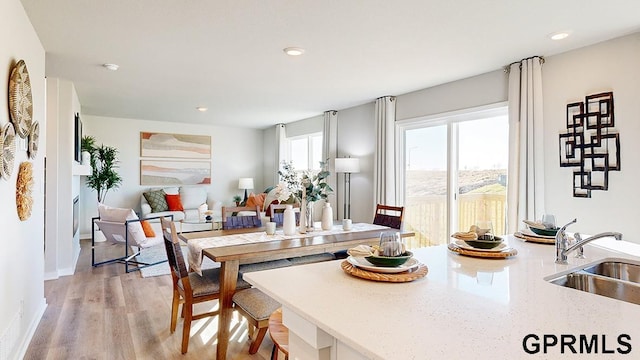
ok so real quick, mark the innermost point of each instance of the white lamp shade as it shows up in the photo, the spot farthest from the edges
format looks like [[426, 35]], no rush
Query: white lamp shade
[[347, 165], [245, 183]]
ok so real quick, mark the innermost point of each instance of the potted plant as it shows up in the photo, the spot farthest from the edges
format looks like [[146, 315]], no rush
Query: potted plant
[[104, 163], [237, 199]]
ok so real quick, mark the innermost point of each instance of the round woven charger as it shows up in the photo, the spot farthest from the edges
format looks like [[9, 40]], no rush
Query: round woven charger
[[534, 239], [483, 254], [419, 272]]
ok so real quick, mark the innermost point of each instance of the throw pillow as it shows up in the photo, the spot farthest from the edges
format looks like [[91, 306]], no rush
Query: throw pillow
[[146, 227], [193, 196], [157, 201], [256, 200], [174, 203], [108, 213]]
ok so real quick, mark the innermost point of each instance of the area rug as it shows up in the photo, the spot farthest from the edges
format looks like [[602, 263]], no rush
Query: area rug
[[158, 253]]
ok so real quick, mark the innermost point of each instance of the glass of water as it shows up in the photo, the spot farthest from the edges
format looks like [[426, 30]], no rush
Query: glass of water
[[390, 244]]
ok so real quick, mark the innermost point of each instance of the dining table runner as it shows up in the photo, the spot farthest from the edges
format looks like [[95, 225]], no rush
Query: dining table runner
[[196, 246]]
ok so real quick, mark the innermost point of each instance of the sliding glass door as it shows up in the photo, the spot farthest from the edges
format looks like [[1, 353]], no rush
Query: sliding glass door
[[455, 173]]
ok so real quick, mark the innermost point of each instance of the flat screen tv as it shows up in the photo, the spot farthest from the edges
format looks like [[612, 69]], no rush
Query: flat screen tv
[[77, 138]]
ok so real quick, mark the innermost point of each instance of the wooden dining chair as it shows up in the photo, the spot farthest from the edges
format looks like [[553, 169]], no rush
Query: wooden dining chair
[[390, 216], [240, 217], [276, 213], [188, 287]]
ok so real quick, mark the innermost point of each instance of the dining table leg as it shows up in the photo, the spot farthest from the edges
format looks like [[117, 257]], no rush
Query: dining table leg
[[228, 280]]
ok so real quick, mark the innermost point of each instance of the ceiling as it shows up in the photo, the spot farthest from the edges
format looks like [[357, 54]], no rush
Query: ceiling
[[176, 55]]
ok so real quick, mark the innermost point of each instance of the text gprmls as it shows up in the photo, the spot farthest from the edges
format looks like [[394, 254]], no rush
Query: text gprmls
[[576, 344]]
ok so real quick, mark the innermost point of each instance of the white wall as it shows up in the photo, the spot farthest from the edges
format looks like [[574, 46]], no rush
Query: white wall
[[356, 138], [236, 153], [62, 249], [569, 77], [21, 259], [483, 89]]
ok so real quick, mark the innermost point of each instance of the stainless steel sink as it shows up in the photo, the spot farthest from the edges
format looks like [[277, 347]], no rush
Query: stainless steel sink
[[614, 278], [617, 270]]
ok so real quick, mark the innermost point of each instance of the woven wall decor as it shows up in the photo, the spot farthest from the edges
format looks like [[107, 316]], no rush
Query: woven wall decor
[[24, 201], [7, 150], [20, 100], [34, 136], [591, 143]]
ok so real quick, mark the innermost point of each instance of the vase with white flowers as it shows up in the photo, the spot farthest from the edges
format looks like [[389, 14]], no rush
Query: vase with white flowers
[[312, 186]]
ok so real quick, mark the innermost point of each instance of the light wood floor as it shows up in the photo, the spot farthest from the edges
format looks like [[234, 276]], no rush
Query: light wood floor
[[104, 313]]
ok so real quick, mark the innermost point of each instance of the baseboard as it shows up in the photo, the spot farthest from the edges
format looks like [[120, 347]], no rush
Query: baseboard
[[26, 340], [54, 275], [51, 275]]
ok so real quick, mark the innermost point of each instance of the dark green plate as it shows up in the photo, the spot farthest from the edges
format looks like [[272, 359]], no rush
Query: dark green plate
[[389, 261], [544, 232], [484, 244]]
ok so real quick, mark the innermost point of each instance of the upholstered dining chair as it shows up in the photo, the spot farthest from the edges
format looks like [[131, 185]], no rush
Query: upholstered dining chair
[[276, 213], [120, 225], [240, 217], [188, 287], [256, 307], [390, 216]]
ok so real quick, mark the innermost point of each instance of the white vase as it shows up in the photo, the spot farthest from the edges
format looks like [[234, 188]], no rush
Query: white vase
[[86, 158], [327, 216], [289, 221]]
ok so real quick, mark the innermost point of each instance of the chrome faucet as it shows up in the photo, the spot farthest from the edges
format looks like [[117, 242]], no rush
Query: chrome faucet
[[562, 243]]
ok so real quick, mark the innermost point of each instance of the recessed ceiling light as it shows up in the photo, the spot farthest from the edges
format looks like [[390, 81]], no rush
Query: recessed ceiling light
[[202, 108], [293, 51], [559, 35], [112, 67]]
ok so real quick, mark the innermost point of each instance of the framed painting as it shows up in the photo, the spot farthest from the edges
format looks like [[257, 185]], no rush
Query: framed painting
[[163, 172], [163, 145]]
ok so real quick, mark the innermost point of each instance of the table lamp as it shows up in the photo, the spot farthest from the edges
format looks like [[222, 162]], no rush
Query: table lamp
[[245, 184], [347, 166]]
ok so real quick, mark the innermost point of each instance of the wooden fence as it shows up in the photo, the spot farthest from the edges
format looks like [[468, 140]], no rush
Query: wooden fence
[[427, 216]]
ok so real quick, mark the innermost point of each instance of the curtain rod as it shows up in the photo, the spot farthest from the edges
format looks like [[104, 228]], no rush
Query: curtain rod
[[507, 68]]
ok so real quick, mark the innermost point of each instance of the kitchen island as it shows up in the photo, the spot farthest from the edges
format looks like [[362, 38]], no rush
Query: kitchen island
[[465, 308]]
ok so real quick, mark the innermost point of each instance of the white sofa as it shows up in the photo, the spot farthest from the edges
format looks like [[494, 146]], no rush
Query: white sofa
[[194, 201]]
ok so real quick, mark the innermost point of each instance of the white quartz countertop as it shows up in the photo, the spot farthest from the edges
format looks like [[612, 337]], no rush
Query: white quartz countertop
[[465, 308]]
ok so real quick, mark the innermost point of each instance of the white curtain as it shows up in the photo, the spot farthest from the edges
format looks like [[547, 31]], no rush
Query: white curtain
[[384, 169], [330, 151], [525, 194], [281, 148]]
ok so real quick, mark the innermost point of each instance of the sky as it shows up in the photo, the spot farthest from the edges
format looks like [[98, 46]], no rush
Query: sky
[[484, 144]]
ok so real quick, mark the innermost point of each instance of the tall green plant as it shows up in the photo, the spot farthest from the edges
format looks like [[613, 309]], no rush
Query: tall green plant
[[104, 162]]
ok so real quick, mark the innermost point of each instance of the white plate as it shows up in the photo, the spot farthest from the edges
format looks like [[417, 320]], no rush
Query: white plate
[[532, 234], [464, 245], [362, 263]]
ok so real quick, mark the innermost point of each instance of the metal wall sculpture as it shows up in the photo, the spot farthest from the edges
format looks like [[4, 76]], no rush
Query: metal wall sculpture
[[591, 143]]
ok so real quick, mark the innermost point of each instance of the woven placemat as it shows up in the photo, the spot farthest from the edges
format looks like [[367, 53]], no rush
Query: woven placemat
[[534, 239], [417, 273], [483, 254]]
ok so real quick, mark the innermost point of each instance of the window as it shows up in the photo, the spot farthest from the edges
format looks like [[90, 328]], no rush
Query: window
[[455, 172], [305, 152]]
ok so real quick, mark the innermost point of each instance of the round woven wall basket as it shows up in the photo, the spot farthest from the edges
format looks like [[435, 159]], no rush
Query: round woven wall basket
[[20, 100]]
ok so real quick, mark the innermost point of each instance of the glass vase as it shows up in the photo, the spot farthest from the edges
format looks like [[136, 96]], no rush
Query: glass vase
[[309, 215]]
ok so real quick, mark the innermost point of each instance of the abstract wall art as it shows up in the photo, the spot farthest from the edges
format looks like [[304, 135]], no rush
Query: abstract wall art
[[163, 172], [591, 143], [163, 145]]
